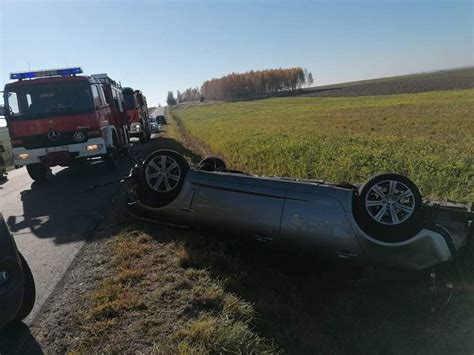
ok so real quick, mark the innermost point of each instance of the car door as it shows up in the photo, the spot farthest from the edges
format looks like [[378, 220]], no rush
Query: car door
[[314, 216], [238, 204]]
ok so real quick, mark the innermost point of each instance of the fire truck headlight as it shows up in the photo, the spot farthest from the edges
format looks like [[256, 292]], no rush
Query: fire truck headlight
[[93, 147], [24, 156]]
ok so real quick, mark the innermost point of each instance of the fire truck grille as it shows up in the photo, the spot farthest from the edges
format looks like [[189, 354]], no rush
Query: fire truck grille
[[43, 141]]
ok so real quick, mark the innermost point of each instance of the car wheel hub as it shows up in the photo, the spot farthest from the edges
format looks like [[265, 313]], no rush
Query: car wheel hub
[[162, 174], [390, 202]]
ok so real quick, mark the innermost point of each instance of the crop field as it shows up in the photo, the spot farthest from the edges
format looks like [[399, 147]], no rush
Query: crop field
[[441, 80], [426, 136]]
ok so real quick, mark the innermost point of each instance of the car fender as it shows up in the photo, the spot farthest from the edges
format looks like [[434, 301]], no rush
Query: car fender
[[424, 250]]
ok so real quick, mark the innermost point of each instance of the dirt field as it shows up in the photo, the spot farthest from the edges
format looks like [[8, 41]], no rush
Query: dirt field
[[436, 81]]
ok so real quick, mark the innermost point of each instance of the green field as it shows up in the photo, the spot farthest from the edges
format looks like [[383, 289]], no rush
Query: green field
[[427, 136]]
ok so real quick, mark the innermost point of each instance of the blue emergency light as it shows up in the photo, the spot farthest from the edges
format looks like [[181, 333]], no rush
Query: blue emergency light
[[46, 73]]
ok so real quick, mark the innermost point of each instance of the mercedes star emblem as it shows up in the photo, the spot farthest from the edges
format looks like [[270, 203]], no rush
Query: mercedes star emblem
[[53, 135]]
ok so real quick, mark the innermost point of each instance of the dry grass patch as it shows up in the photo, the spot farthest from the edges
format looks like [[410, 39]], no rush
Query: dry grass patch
[[222, 335], [154, 300], [116, 294]]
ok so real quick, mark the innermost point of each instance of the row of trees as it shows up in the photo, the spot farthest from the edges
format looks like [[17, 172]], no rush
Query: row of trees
[[246, 85], [190, 94], [256, 83]]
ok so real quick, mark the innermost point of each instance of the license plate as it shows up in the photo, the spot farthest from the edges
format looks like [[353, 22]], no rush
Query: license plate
[[64, 148]]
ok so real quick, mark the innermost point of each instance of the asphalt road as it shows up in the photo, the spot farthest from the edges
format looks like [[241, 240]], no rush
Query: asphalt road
[[50, 221], [157, 111]]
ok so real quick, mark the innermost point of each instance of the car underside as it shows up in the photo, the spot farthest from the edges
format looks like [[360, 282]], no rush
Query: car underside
[[384, 222]]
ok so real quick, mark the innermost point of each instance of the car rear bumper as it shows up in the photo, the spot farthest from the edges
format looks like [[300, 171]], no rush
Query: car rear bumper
[[446, 230], [79, 150]]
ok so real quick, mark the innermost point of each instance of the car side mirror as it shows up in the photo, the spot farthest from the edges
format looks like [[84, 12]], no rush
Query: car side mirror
[[2, 111]]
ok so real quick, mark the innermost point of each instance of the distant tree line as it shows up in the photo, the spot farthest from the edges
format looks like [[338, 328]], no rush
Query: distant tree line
[[190, 94], [247, 85], [256, 83]]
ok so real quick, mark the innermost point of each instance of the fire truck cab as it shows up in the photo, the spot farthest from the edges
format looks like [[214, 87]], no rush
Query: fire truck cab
[[57, 117], [138, 117]]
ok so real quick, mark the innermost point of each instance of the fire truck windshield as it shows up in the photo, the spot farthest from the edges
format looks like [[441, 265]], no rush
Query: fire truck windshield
[[129, 101], [46, 100]]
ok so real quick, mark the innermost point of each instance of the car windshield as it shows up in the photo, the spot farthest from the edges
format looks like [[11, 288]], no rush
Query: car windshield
[[129, 101], [47, 99]]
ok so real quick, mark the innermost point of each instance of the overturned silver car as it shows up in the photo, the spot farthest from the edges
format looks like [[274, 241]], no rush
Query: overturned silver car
[[384, 222]]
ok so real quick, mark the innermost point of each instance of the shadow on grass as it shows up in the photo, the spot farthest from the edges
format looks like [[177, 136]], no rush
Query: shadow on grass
[[307, 304]]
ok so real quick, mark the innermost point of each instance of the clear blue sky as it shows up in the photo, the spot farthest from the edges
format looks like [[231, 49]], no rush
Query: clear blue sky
[[160, 46]]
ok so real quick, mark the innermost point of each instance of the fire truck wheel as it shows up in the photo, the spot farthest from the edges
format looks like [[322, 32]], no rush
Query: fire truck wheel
[[111, 159], [38, 172]]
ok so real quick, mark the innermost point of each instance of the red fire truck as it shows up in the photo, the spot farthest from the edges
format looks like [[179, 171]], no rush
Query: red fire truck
[[57, 117], [137, 112]]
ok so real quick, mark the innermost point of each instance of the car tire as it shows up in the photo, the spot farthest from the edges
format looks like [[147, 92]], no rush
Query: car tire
[[160, 184], [212, 164], [388, 208], [29, 292], [37, 172]]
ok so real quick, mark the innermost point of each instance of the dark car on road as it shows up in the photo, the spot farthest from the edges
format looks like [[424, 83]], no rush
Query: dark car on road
[[161, 120], [154, 126], [17, 286]]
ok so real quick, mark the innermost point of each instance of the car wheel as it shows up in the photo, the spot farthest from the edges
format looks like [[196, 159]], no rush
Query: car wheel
[[162, 176], [29, 292], [388, 208], [212, 164], [37, 172]]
